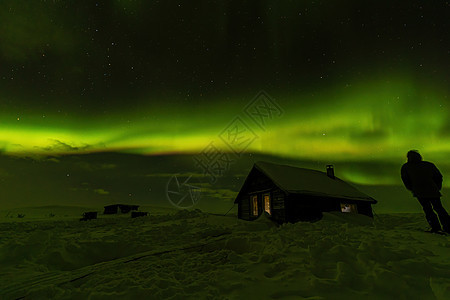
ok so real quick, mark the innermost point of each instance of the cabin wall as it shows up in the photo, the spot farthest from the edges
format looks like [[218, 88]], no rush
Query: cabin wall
[[278, 210], [308, 208], [250, 201], [244, 207], [296, 207], [256, 183], [365, 209]]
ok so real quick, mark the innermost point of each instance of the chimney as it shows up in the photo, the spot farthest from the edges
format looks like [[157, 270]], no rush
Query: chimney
[[330, 171]]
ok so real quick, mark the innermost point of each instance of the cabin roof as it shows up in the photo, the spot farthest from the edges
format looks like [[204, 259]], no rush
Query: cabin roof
[[297, 180]]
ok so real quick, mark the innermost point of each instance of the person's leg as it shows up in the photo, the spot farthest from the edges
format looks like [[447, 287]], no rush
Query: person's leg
[[442, 213], [429, 213]]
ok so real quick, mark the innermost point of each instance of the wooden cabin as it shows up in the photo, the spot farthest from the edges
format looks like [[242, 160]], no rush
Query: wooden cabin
[[124, 208], [136, 214], [290, 194], [90, 215]]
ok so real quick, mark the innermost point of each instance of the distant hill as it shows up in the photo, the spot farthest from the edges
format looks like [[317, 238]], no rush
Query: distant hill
[[99, 179]]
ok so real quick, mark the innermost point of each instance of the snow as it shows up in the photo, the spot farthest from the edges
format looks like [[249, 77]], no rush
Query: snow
[[309, 181], [192, 254]]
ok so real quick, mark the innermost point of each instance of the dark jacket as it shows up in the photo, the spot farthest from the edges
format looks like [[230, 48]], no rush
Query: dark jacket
[[422, 178]]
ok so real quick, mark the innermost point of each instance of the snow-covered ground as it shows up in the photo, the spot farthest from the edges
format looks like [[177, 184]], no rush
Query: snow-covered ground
[[174, 254]]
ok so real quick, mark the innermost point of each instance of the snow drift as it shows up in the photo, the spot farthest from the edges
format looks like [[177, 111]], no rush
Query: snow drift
[[192, 254]]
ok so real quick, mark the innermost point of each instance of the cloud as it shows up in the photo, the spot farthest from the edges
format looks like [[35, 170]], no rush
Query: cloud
[[101, 192], [86, 189], [375, 135], [107, 166], [59, 146], [178, 175], [95, 166], [224, 194], [53, 159]]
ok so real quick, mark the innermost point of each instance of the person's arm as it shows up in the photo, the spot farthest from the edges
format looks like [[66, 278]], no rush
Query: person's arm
[[437, 177], [405, 178]]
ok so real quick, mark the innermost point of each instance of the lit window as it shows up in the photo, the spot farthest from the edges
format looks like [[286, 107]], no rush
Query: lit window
[[267, 203], [349, 208], [255, 205]]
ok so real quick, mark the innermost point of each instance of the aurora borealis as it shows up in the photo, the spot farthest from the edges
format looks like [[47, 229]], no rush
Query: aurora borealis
[[356, 81], [378, 127]]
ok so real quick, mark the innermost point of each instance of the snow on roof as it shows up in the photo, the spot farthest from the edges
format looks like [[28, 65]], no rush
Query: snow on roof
[[308, 181]]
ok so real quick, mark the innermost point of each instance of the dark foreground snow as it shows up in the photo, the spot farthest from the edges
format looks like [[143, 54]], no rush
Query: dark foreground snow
[[195, 255]]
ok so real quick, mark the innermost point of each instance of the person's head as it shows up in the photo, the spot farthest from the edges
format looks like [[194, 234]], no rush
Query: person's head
[[413, 156]]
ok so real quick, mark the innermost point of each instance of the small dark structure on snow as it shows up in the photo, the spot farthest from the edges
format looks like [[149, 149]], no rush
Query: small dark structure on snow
[[135, 214], [90, 215], [291, 194], [124, 208]]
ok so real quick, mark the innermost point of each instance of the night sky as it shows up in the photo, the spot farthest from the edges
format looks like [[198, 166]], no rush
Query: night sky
[[347, 81]]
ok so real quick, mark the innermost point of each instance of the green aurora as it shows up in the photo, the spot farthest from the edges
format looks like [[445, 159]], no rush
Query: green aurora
[[376, 120], [355, 83]]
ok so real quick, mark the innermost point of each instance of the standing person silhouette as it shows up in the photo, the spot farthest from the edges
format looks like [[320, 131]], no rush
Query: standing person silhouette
[[424, 180]]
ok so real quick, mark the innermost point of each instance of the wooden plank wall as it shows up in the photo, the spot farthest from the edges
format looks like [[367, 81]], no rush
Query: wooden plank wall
[[278, 205], [244, 207]]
